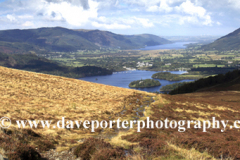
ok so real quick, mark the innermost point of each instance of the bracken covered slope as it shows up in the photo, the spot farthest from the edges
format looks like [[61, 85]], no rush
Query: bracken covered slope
[[33, 96]]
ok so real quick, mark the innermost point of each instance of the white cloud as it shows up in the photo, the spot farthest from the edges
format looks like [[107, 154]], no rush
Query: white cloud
[[188, 19], [144, 22], [122, 23], [154, 8], [72, 14], [11, 18], [189, 11], [102, 19], [42, 13], [189, 8], [26, 16], [196, 12], [142, 2], [218, 23], [111, 26], [207, 20], [135, 9], [128, 15], [234, 3], [28, 24], [162, 7]]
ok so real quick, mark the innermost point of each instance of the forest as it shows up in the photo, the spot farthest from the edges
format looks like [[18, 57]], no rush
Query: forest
[[211, 81]]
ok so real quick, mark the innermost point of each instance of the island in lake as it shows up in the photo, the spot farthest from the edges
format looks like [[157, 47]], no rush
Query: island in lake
[[174, 77], [144, 83]]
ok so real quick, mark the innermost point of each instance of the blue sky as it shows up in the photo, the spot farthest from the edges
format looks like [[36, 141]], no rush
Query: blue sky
[[159, 17]]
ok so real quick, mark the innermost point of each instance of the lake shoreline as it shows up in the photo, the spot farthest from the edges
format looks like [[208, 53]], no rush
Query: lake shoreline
[[174, 45], [124, 78]]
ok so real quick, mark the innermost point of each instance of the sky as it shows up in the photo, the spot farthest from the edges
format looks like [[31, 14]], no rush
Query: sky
[[159, 17]]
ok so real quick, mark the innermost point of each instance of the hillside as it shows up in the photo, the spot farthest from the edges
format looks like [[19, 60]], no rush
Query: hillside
[[232, 85], [31, 62], [109, 39], [220, 82], [171, 87], [65, 40], [228, 42], [40, 96], [48, 39], [147, 39], [33, 96]]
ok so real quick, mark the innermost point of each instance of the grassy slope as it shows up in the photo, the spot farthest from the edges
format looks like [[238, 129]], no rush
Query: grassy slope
[[228, 42], [28, 95], [38, 96]]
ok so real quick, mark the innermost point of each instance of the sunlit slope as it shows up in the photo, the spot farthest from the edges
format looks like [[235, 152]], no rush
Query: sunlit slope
[[28, 95], [25, 94], [32, 96]]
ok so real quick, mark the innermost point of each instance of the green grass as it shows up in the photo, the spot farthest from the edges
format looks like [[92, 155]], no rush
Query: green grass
[[191, 76], [174, 77], [62, 59], [207, 65]]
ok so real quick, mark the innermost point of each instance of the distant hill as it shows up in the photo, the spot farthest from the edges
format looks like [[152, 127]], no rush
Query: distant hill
[[62, 39], [109, 39], [47, 39], [220, 82], [228, 42], [33, 63], [147, 39]]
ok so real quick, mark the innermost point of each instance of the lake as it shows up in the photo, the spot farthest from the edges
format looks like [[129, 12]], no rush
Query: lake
[[176, 45], [122, 79]]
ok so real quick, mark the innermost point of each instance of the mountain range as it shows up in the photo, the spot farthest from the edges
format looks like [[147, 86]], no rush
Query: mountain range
[[66, 40]]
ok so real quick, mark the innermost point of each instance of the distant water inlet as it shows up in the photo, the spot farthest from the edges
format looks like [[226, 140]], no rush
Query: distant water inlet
[[176, 45], [122, 79]]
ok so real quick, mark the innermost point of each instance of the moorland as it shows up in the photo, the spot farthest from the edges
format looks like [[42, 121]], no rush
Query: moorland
[[35, 96]]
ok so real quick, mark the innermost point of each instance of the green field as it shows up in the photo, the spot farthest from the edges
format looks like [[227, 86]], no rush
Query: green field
[[159, 60], [207, 65]]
